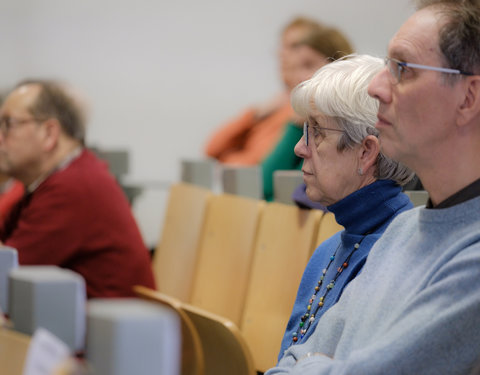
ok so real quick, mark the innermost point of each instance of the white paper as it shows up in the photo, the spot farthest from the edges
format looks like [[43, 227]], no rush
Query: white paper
[[45, 353]]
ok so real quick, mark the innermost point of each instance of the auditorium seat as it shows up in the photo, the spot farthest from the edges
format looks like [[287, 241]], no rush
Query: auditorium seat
[[192, 362], [225, 255], [283, 247], [176, 253]]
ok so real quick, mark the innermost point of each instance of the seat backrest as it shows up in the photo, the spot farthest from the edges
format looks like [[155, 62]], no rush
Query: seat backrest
[[176, 252], [200, 172], [49, 297], [282, 250], [418, 197], [225, 255], [284, 184], [193, 362], [225, 350], [129, 336], [8, 262], [13, 351], [328, 227], [242, 180]]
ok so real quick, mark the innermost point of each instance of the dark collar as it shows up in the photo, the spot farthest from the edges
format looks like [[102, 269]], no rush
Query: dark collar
[[467, 193], [371, 206]]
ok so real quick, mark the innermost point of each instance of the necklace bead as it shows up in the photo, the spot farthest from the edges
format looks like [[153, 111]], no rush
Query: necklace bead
[[328, 288]]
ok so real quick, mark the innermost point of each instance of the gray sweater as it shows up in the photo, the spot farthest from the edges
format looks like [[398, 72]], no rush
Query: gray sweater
[[414, 309]]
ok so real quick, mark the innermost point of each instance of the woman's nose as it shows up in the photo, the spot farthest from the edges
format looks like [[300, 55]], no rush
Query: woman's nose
[[301, 149]]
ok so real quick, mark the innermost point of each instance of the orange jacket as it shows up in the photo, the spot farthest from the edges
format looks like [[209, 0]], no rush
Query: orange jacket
[[246, 140]]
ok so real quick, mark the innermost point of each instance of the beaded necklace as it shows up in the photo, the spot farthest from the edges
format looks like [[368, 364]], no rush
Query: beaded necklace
[[308, 318]]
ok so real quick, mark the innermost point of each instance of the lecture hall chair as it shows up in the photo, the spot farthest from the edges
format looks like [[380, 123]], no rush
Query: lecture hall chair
[[245, 181], [192, 362], [212, 345], [225, 255], [176, 253], [225, 350], [283, 247]]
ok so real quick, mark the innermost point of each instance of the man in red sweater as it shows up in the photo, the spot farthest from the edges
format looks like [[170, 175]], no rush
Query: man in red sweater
[[74, 214]]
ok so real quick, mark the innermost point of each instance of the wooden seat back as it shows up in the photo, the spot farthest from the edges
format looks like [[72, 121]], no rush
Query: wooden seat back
[[225, 254], [225, 350], [13, 351], [283, 247], [176, 252], [327, 228]]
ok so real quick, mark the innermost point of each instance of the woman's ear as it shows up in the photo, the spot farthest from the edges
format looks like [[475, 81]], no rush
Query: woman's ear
[[368, 152]]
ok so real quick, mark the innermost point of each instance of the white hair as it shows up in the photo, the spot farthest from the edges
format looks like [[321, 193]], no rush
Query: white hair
[[339, 90]]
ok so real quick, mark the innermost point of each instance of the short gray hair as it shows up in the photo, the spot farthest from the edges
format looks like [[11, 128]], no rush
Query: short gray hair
[[55, 101], [459, 37], [339, 90]]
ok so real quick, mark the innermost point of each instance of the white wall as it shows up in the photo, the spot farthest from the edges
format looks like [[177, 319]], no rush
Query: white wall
[[160, 76]]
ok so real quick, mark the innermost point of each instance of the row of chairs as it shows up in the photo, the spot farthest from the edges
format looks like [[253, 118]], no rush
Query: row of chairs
[[246, 181], [116, 336], [231, 267]]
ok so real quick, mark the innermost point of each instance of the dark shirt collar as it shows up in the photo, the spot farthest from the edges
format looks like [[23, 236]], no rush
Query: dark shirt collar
[[469, 192]]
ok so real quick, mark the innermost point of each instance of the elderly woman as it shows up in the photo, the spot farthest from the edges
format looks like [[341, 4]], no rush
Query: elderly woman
[[344, 170]]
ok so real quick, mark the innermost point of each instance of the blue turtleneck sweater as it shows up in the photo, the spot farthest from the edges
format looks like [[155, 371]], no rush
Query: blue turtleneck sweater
[[365, 214]]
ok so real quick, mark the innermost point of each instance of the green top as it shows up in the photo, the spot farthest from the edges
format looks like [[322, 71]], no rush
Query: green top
[[281, 158]]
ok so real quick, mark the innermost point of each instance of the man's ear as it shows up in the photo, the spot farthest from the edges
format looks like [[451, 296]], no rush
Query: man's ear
[[52, 132], [469, 108], [368, 152]]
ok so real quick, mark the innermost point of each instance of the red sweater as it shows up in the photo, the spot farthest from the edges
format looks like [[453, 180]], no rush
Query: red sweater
[[10, 198], [79, 218]]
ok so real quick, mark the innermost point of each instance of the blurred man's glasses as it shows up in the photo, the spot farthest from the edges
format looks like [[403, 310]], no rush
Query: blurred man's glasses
[[397, 68], [7, 123], [316, 131]]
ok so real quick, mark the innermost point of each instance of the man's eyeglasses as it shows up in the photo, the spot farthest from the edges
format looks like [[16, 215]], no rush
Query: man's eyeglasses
[[397, 68], [7, 123], [316, 130]]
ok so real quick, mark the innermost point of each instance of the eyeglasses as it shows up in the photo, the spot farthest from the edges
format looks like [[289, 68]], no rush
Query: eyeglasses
[[396, 68], [316, 131], [7, 123]]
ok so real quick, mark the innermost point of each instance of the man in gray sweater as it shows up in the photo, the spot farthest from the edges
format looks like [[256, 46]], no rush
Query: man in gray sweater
[[415, 307]]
